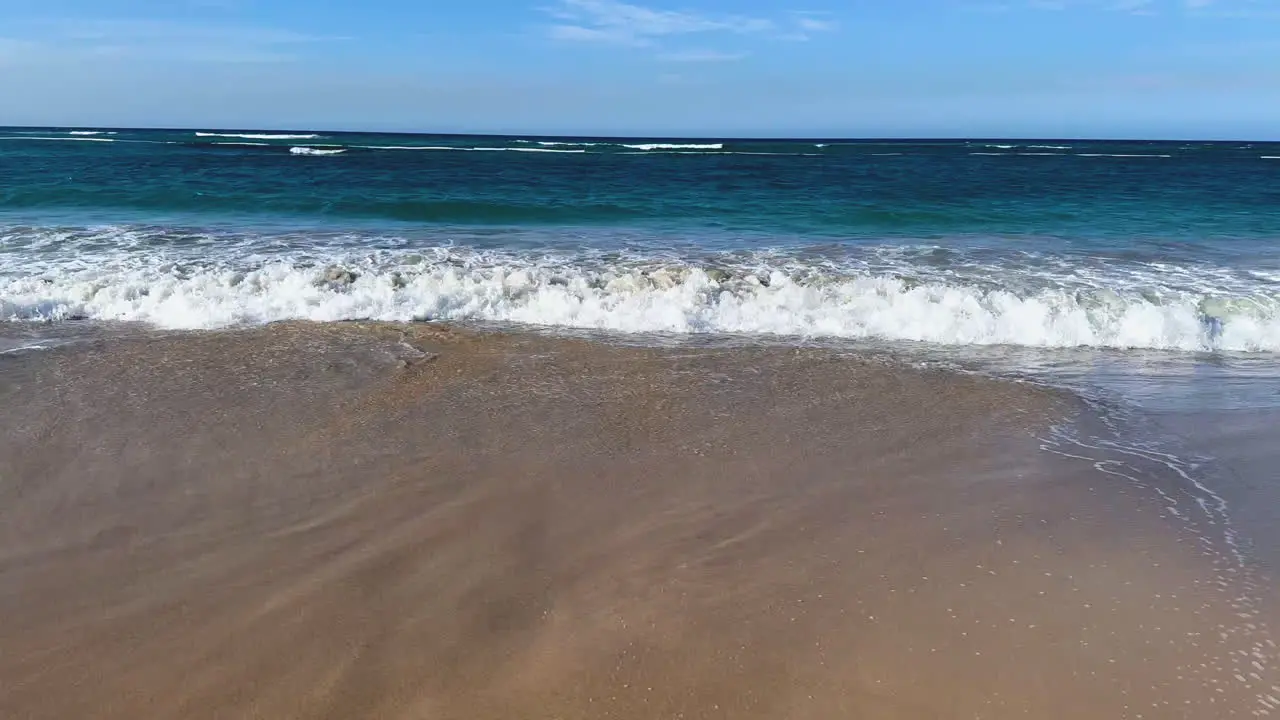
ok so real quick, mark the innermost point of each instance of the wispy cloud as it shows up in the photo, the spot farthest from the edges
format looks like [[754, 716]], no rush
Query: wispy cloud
[[1134, 7], [1234, 9], [626, 24], [162, 40], [1215, 8], [623, 24], [804, 25], [14, 49], [700, 56], [811, 23]]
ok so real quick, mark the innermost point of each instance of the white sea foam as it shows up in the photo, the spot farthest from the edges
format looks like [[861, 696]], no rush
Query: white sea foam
[[558, 143], [1056, 305], [468, 149], [90, 132], [22, 349], [715, 152], [1122, 155], [1270, 157], [61, 139], [261, 136], [534, 150], [676, 146], [410, 147], [316, 151]]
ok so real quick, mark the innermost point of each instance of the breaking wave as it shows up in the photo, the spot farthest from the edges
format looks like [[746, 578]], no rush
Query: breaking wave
[[261, 136], [316, 151], [676, 146], [891, 296]]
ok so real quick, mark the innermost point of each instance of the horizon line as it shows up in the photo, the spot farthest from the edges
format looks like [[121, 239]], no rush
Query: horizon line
[[590, 136]]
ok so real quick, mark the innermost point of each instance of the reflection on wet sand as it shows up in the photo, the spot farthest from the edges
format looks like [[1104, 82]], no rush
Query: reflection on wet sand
[[343, 521]]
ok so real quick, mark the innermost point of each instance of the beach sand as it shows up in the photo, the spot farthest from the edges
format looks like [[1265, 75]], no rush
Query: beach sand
[[367, 521]]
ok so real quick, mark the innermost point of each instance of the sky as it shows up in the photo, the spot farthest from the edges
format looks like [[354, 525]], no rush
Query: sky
[[805, 68]]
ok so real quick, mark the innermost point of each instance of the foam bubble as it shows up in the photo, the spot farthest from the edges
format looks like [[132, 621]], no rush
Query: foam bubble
[[316, 151], [410, 147], [1122, 155], [898, 298], [60, 139], [676, 146], [261, 136], [528, 150]]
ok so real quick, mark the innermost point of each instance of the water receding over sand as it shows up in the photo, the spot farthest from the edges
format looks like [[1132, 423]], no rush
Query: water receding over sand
[[351, 521]]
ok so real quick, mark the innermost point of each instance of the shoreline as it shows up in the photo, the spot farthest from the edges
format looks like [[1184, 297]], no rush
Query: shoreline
[[366, 519]]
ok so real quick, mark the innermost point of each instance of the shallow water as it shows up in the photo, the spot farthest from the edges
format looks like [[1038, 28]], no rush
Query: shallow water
[[313, 520]]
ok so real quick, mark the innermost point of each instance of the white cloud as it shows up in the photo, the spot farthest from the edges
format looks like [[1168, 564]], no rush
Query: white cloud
[[804, 25], [578, 33], [1218, 8], [13, 50], [162, 40], [701, 56], [810, 23], [1133, 6], [614, 22], [627, 24], [174, 32]]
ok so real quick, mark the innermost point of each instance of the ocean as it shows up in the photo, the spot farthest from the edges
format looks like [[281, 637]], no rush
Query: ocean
[[1141, 280], [1047, 244], [1150, 268]]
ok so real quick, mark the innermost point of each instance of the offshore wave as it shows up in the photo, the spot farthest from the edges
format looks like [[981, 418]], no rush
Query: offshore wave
[[279, 142], [675, 146], [261, 136], [1063, 154], [316, 151], [60, 139], [561, 143], [904, 299], [1124, 155]]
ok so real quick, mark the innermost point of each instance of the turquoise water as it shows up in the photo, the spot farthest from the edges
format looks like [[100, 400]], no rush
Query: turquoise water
[[1042, 244]]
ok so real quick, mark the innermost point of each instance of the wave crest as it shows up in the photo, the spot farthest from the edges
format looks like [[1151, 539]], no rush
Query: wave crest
[[261, 136], [778, 296], [676, 146], [316, 151]]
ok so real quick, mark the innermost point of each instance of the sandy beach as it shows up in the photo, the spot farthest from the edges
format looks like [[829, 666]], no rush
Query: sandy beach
[[376, 521]]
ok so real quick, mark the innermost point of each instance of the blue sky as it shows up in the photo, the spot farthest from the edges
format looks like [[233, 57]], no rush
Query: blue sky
[[970, 68]]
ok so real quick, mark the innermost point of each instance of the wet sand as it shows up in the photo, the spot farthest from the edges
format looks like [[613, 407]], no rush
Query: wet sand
[[348, 521]]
